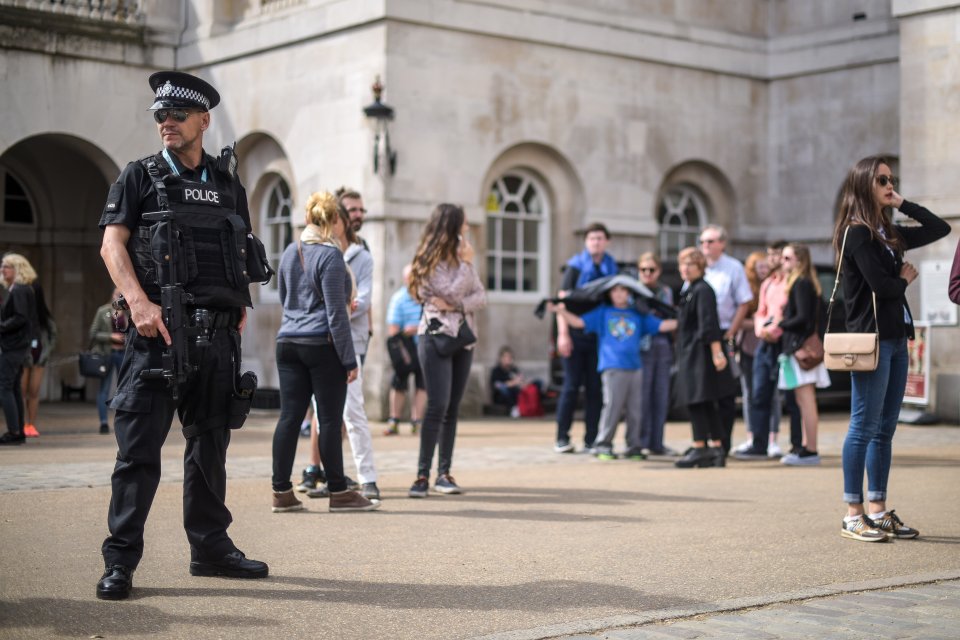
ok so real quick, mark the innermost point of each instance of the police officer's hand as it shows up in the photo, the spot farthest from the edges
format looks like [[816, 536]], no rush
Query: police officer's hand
[[148, 319], [352, 374], [243, 320]]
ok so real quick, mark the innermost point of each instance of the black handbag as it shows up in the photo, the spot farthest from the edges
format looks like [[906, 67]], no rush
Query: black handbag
[[93, 365], [447, 345]]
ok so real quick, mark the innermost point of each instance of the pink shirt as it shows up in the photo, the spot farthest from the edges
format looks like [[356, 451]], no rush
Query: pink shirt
[[773, 298]]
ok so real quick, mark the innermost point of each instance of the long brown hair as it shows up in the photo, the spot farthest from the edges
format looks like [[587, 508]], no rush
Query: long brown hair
[[858, 205], [802, 268], [439, 243], [750, 266]]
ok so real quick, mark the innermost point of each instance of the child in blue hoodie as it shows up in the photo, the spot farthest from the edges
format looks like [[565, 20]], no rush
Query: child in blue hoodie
[[619, 327]]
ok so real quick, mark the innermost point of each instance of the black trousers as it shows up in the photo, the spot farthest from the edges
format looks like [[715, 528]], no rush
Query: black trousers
[[446, 379], [309, 370], [11, 396], [705, 421], [144, 414]]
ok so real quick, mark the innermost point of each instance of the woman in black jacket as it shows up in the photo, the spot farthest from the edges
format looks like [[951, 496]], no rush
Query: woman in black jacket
[[875, 277], [701, 365], [799, 322], [18, 321]]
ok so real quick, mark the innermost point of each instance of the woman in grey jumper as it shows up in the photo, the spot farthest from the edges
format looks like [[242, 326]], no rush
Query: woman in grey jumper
[[315, 354], [444, 280]]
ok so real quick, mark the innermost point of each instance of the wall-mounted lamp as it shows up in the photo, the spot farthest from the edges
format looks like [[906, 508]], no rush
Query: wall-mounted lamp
[[382, 114]]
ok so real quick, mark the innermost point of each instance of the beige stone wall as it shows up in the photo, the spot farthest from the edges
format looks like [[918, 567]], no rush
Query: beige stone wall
[[930, 125]]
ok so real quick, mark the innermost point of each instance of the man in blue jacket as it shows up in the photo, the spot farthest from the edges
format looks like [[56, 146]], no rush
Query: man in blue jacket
[[577, 348]]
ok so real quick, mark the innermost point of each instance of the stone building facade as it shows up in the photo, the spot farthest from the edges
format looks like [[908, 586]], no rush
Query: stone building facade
[[539, 116]]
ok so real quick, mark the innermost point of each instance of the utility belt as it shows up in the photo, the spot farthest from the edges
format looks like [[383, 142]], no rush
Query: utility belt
[[227, 318]]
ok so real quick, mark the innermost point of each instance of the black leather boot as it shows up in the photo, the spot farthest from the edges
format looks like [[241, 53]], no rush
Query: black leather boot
[[116, 582], [697, 457]]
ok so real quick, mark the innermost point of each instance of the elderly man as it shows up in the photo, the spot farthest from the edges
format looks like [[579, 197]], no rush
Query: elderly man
[[209, 205], [727, 278]]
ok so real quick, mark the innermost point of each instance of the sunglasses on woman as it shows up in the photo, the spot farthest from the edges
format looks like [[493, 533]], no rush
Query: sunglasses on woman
[[180, 115], [885, 180]]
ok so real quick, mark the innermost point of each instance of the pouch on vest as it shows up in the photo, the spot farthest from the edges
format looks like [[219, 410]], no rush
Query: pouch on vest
[[162, 253], [234, 244], [258, 267]]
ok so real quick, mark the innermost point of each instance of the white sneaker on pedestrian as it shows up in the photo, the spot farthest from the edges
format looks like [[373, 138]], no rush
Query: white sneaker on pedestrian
[[743, 448], [774, 450]]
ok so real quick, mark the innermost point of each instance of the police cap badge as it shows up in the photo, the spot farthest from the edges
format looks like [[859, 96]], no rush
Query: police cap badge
[[178, 90]]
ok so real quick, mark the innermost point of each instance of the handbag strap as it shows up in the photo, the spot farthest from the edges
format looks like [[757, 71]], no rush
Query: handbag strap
[[307, 275], [836, 283]]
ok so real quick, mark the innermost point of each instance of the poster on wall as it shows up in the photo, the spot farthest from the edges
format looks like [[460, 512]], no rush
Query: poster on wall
[[918, 369], [935, 307]]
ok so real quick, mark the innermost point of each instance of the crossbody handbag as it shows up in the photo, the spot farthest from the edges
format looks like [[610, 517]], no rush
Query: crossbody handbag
[[447, 345], [850, 351]]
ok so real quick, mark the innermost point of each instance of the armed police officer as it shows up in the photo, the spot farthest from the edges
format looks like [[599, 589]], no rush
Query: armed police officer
[[175, 242]]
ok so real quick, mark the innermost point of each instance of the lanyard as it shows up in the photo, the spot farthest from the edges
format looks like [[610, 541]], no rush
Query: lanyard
[[173, 166]]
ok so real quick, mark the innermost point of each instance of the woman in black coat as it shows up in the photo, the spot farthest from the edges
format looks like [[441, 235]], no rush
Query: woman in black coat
[[875, 278], [701, 366]]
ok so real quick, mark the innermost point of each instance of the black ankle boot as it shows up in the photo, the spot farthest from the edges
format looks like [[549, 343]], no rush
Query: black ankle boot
[[719, 457], [697, 457]]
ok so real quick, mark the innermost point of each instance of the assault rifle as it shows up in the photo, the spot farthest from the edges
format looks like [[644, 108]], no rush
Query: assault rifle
[[182, 326]]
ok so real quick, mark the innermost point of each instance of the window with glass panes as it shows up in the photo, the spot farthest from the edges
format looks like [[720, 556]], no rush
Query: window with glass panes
[[17, 209], [517, 215], [682, 214], [276, 232]]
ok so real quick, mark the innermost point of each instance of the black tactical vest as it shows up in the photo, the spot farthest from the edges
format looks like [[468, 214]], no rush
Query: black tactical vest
[[209, 239]]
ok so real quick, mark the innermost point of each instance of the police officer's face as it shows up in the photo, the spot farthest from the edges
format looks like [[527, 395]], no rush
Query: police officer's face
[[355, 210], [180, 136]]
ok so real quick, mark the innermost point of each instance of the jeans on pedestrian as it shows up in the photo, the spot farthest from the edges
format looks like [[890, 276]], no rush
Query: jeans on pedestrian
[[656, 392], [11, 391], [875, 401], [306, 370], [446, 379], [580, 368], [114, 360], [765, 372]]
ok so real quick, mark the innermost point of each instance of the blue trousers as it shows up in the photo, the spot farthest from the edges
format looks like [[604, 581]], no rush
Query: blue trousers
[[875, 402]]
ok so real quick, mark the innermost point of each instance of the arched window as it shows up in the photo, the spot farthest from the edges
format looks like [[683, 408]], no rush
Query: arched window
[[17, 209], [275, 229], [682, 214], [517, 215]]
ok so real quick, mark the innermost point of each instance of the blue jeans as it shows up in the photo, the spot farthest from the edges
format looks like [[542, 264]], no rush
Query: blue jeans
[[115, 359], [656, 392], [580, 369], [765, 371], [875, 402]]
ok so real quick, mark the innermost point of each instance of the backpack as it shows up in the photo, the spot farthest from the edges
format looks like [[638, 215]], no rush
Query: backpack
[[528, 402]]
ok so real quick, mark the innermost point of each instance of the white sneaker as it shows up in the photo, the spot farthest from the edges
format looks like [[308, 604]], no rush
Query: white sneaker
[[774, 450], [795, 460], [743, 448], [514, 411]]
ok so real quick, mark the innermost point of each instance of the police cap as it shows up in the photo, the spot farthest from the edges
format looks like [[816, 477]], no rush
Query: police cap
[[178, 90]]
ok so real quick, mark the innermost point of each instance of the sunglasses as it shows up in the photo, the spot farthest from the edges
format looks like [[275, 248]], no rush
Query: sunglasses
[[648, 269], [885, 180], [180, 115]]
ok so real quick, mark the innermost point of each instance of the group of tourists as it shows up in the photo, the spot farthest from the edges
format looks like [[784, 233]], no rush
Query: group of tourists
[[324, 278]]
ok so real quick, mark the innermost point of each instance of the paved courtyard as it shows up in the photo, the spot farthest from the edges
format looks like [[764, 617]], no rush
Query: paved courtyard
[[540, 546]]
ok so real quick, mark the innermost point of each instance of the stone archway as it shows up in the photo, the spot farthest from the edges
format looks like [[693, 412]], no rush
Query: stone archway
[[65, 180]]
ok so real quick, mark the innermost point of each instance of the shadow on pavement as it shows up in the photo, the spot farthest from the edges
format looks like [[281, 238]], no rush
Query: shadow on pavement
[[96, 618]]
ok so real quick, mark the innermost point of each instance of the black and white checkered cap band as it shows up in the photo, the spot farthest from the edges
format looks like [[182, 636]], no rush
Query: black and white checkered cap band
[[168, 90]]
